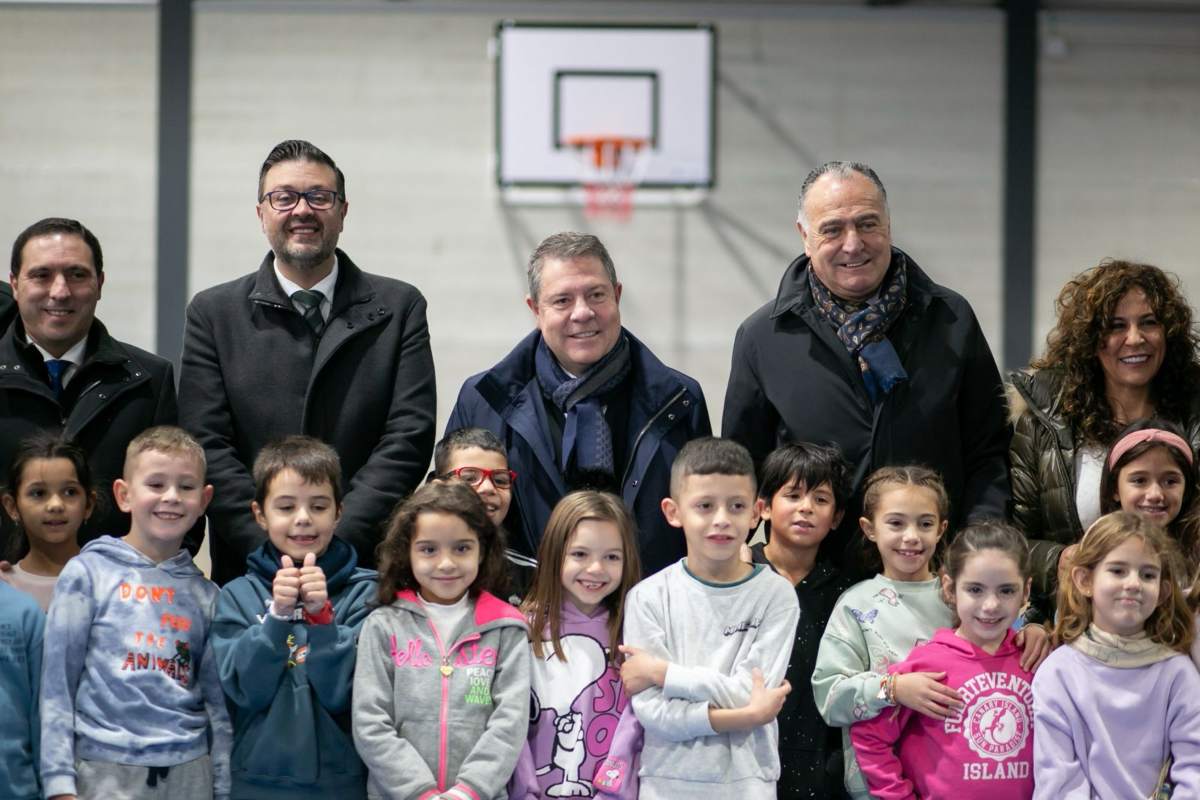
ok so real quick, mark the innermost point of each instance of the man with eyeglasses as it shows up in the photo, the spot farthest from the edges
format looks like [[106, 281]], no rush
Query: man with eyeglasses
[[307, 344], [61, 370], [581, 403]]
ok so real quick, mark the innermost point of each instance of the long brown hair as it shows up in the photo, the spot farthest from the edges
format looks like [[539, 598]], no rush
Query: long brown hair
[[543, 605], [394, 553], [1169, 624], [1085, 308]]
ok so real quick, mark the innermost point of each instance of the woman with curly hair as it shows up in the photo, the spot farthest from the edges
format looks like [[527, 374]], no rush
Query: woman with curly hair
[[1123, 349]]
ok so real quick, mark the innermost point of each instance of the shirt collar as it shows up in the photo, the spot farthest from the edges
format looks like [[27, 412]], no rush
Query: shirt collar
[[325, 286], [74, 355]]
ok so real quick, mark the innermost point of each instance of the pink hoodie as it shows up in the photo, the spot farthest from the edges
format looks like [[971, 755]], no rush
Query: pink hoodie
[[985, 752]]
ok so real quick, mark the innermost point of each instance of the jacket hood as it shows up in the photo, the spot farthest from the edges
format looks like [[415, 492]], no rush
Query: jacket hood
[[179, 565], [958, 648], [339, 562], [490, 610], [1036, 391], [571, 614]]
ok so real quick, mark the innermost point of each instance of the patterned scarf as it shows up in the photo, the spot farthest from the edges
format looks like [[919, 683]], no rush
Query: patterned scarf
[[586, 434], [1122, 652], [862, 327]]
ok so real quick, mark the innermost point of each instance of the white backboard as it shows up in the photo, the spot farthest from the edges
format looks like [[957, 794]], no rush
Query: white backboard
[[558, 82]]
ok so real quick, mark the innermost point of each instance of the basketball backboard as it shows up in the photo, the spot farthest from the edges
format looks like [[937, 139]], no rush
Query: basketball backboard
[[560, 85]]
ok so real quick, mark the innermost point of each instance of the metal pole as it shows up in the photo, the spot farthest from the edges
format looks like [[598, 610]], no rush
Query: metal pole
[[174, 144]]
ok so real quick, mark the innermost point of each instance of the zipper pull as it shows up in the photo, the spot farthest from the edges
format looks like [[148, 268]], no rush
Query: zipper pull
[[446, 669]]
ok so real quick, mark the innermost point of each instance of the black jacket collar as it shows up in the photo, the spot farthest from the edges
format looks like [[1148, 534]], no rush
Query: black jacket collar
[[352, 285], [795, 297]]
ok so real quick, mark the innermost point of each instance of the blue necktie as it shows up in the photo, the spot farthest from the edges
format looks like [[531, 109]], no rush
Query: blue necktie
[[311, 300], [57, 367]]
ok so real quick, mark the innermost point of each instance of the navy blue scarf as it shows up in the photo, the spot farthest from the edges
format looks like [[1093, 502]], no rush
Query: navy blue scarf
[[862, 328], [586, 435]]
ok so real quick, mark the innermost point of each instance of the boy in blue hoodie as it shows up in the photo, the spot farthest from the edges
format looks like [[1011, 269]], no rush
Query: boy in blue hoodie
[[21, 629], [285, 634], [131, 701]]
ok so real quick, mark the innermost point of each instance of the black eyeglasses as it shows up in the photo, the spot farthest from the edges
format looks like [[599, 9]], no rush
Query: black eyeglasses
[[286, 199], [473, 476]]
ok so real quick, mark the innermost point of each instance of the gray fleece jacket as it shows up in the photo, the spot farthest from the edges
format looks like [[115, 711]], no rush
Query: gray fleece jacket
[[441, 713]]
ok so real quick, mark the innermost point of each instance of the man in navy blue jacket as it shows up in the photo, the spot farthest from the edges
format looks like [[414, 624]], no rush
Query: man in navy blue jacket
[[581, 403]]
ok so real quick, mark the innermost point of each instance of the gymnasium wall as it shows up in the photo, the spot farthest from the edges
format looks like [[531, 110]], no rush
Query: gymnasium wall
[[403, 100]]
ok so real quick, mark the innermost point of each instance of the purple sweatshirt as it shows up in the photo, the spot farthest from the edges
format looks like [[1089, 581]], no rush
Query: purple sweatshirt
[[1104, 732], [583, 737]]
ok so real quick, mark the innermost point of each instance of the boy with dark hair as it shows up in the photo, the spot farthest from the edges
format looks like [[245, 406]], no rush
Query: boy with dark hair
[[131, 701], [477, 457], [285, 634], [803, 496], [708, 640]]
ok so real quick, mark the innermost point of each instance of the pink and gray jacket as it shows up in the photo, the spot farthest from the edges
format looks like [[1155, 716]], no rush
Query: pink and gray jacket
[[441, 712]]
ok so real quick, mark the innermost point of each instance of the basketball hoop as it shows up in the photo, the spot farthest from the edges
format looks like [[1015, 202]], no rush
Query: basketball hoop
[[611, 168]]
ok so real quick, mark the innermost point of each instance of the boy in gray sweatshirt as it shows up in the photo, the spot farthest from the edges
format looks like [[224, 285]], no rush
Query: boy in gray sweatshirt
[[708, 641]]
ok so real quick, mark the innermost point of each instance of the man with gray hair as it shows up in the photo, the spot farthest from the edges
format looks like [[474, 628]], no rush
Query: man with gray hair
[[581, 403], [860, 349]]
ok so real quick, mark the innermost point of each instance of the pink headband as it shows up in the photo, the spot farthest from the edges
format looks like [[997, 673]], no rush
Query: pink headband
[[1131, 440]]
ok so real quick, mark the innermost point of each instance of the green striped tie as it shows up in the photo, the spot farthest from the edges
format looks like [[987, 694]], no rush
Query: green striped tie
[[311, 300]]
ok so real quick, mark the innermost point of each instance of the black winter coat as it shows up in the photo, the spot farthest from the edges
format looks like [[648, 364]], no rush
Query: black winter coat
[[253, 372], [792, 380], [118, 391]]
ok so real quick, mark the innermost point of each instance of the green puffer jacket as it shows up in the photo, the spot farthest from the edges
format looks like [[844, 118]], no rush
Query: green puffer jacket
[[1042, 457]]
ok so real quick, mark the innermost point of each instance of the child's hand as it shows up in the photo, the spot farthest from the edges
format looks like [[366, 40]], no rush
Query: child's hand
[[765, 703], [312, 585], [640, 670], [1034, 642], [285, 591], [925, 693]]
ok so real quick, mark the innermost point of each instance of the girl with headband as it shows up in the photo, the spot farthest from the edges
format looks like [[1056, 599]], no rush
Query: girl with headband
[[1150, 470]]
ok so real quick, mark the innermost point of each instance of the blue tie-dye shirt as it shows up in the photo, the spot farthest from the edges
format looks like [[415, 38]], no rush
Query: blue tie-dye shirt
[[128, 675]]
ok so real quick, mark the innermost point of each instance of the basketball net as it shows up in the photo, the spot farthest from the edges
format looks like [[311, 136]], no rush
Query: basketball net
[[611, 168]]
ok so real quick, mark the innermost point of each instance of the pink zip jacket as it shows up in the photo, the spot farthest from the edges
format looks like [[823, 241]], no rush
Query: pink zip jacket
[[441, 712], [985, 752]]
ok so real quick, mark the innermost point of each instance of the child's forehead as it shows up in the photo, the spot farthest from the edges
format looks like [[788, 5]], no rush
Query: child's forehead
[[473, 456], [175, 461], [908, 494], [1134, 550], [288, 480], [441, 526], [716, 483], [797, 482], [990, 563]]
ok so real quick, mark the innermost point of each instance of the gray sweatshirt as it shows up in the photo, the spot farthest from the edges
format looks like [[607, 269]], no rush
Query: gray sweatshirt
[[441, 713], [713, 635]]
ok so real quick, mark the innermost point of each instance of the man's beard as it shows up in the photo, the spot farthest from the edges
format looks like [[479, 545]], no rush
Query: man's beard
[[307, 259]]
